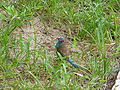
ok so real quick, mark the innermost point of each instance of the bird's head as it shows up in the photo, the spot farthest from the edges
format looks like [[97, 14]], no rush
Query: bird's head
[[60, 41]]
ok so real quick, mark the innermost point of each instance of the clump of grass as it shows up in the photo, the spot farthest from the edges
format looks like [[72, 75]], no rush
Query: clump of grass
[[95, 21]]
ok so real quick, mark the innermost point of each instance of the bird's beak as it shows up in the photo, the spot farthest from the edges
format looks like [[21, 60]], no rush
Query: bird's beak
[[58, 38]]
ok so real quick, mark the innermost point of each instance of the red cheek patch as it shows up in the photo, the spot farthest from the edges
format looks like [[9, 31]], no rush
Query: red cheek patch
[[62, 41]]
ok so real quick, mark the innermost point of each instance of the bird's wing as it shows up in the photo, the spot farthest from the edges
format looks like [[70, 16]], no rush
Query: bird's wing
[[63, 50]]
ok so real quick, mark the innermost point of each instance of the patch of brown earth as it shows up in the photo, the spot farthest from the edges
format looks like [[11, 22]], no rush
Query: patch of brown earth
[[46, 37]]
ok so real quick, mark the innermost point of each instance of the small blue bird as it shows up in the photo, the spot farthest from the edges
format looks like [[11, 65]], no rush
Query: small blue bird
[[64, 50]]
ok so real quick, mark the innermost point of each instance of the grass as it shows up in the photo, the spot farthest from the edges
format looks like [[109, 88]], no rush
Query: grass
[[95, 21]]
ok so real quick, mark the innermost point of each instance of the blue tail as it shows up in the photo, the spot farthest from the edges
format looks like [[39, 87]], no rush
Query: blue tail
[[72, 63]]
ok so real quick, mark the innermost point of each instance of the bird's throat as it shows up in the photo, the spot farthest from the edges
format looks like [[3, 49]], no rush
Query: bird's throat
[[59, 44]]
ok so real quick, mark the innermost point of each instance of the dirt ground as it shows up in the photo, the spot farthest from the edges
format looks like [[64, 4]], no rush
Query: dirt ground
[[47, 38]]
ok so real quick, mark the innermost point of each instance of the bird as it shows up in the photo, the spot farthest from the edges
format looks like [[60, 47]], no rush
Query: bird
[[63, 48]]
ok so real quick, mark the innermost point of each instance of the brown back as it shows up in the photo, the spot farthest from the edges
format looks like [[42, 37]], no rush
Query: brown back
[[63, 50]]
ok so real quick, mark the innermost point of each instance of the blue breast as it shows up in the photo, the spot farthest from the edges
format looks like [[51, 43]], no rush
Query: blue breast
[[58, 44]]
